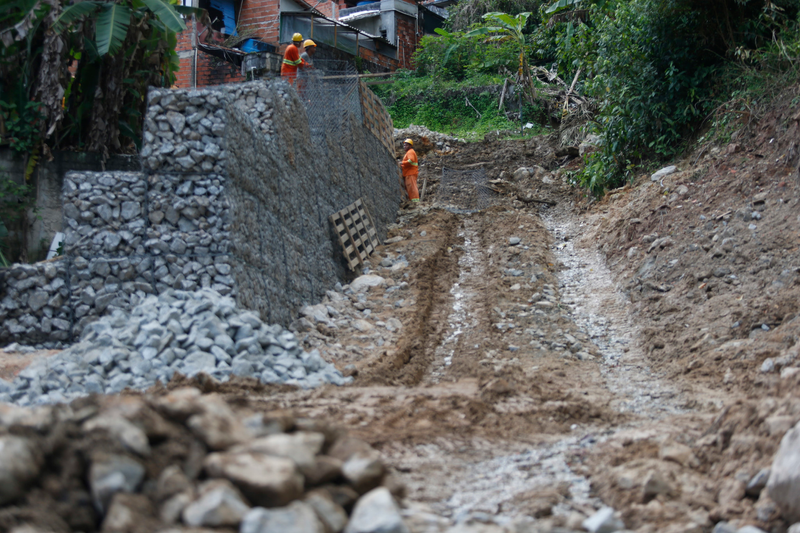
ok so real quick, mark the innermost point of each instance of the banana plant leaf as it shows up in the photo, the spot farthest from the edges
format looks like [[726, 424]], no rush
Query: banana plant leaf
[[167, 14], [112, 28], [73, 13]]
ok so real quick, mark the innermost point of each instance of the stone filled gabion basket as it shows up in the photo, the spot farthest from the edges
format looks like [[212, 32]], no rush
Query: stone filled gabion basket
[[185, 461], [177, 332]]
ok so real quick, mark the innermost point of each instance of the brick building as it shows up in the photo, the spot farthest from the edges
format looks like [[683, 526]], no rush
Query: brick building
[[383, 34]]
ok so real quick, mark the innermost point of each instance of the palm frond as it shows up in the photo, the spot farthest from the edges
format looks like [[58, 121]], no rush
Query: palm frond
[[561, 4], [112, 27], [73, 13], [477, 31], [167, 14]]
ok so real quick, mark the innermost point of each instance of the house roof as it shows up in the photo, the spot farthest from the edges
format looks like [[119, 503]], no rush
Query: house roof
[[440, 3], [360, 15], [341, 24], [309, 7]]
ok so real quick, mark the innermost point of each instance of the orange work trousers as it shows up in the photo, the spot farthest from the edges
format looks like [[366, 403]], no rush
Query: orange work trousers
[[411, 186]]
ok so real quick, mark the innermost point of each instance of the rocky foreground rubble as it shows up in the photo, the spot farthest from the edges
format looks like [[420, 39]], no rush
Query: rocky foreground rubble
[[186, 460], [176, 332]]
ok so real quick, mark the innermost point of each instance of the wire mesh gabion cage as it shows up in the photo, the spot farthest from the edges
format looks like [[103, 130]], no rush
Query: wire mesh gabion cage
[[464, 190], [330, 94]]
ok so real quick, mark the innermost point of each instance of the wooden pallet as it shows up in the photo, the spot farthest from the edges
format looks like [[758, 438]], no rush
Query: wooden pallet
[[356, 233], [376, 118]]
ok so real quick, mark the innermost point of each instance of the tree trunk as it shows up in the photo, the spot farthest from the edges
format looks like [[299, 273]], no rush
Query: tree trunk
[[104, 122], [51, 76]]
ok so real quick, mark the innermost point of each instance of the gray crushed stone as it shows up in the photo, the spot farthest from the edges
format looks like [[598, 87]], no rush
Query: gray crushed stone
[[175, 332]]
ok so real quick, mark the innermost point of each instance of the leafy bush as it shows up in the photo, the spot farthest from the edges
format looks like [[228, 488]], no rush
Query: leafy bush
[[464, 14], [746, 87], [456, 56], [75, 74], [658, 68], [651, 75], [456, 108]]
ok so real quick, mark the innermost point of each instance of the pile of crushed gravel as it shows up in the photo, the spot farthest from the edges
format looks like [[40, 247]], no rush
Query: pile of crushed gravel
[[175, 332]]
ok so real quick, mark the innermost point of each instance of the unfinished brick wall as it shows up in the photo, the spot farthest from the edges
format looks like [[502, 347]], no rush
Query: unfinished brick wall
[[406, 41], [263, 14], [379, 60], [210, 70]]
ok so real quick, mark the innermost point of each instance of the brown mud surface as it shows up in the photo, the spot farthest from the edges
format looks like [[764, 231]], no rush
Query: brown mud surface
[[637, 352]]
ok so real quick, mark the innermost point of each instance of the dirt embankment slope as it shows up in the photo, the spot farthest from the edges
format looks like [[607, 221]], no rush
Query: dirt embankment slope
[[709, 258]]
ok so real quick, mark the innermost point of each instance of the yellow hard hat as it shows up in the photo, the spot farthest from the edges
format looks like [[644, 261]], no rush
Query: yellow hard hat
[[297, 37], [309, 42], [409, 141]]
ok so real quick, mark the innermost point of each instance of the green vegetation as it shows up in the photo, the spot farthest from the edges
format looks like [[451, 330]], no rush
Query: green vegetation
[[464, 109], [656, 71], [15, 201], [75, 75], [457, 85]]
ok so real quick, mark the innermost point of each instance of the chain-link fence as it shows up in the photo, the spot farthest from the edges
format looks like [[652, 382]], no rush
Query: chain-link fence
[[464, 190], [330, 94]]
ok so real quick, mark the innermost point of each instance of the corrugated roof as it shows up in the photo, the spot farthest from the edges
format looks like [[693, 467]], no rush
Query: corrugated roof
[[360, 15], [341, 24]]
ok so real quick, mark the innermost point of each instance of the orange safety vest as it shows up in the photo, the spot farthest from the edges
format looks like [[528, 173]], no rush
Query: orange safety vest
[[410, 165], [291, 60]]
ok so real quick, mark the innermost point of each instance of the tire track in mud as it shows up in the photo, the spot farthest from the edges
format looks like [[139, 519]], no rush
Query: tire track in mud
[[601, 311], [498, 479], [516, 411], [408, 364], [467, 322], [496, 474]]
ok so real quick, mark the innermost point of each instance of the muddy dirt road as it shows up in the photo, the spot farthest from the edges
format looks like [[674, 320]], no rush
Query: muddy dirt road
[[523, 390]]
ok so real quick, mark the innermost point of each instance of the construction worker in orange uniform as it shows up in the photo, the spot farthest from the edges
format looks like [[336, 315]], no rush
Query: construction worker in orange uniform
[[291, 59], [410, 167]]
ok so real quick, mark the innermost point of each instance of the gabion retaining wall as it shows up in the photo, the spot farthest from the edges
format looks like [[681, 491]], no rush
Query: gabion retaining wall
[[233, 196]]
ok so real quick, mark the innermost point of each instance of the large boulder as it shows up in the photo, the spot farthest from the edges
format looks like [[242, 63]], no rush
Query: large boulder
[[19, 466], [784, 479], [264, 479], [376, 512]]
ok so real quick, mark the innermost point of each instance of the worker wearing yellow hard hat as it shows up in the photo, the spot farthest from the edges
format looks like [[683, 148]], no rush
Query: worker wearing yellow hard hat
[[308, 54], [291, 58], [410, 168]]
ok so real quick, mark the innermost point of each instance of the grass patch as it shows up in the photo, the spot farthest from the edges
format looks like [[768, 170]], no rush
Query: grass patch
[[467, 109]]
